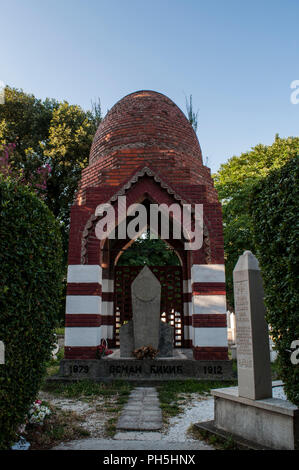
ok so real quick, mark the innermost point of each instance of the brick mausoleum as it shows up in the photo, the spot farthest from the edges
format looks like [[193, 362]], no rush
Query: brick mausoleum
[[145, 149]]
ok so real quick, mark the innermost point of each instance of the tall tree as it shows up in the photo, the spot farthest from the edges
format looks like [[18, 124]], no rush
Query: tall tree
[[234, 182], [49, 133]]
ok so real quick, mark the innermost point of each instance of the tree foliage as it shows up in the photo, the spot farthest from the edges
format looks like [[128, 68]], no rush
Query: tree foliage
[[274, 209], [49, 133], [37, 180], [234, 182], [147, 251], [30, 289]]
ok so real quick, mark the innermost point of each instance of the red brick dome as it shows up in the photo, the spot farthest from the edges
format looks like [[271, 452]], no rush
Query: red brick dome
[[149, 122]]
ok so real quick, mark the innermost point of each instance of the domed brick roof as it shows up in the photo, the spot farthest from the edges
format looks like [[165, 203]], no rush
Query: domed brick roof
[[149, 122]]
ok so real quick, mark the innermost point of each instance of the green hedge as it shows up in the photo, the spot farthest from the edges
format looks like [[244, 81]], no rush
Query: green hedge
[[274, 211], [30, 291]]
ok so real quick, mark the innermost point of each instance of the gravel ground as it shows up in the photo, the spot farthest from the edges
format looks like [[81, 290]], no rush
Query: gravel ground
[[93, 412], [197, 408]]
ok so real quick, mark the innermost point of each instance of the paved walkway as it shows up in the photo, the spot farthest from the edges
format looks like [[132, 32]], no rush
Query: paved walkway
[[137, 428], [142, 411]]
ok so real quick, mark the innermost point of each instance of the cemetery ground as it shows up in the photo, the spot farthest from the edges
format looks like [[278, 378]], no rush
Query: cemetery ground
[[87, 409]]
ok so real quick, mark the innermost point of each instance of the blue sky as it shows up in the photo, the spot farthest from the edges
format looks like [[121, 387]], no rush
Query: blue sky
[[237, 59]]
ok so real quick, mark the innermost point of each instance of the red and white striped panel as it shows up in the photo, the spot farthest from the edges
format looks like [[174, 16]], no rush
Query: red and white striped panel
[[83, 332], [188, 309], [209, 311], [107, 308]]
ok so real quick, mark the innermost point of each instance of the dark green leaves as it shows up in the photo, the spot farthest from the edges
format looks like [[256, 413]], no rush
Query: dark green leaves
[[30, 289]]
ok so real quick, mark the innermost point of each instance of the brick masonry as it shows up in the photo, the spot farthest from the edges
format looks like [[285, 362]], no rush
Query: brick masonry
[[145, 129]]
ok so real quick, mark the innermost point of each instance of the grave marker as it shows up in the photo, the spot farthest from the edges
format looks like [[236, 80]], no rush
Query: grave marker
[[146, 298], [253, 354]]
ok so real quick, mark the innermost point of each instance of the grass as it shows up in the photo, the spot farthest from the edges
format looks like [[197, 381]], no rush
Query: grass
[[218, 442], [52, 365], [173, 394], [60, 331], [110, 426], [115, 395], [88, 389], [60, 426]]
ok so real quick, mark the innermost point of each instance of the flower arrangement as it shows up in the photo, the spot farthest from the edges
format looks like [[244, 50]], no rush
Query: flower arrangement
[[102, 349], [36, 416], [145, 352], [38, 412]]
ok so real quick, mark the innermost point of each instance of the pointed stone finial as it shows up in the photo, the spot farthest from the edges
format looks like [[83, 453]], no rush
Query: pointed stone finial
[[247, 261], [146, 286]]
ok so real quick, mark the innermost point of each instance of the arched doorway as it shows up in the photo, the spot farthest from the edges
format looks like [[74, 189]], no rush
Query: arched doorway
[[166, 266]]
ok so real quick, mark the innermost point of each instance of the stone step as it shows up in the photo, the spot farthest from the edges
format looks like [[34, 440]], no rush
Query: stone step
[[142, 411]]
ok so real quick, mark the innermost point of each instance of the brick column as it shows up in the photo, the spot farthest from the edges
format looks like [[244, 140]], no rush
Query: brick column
[[209, 312], [83, 330]]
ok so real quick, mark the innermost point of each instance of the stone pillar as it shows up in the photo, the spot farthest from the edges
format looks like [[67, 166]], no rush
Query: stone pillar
[[187, 309], [209, 312], [107, 313], [83, 311], [254, 370]]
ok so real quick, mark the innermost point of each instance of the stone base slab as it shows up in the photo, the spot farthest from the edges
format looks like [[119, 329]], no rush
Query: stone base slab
[[269, 422], [242, 444], [152, 370]]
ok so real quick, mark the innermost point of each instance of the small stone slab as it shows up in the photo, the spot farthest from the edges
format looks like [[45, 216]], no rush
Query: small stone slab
[[142, 412], [137, 436], [126, 339]]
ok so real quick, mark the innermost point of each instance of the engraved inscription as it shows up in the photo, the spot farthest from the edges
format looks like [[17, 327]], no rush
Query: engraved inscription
[[244, 340]]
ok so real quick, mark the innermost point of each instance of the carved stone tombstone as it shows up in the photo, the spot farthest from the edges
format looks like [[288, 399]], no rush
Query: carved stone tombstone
[[146, 328], [146, 298], [253, 356]]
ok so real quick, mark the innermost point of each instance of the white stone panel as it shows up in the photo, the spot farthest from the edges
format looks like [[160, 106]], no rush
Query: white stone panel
[[107, 331], [82, 336], [208, 273], [84, 273], [107, 285], [188, 332], [209, 304], [206, 337], [83, 304], [107, 308], [188, 307], [187, 286]]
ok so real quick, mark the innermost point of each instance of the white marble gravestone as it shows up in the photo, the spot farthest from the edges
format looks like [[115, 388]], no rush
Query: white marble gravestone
[[253, 355]]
